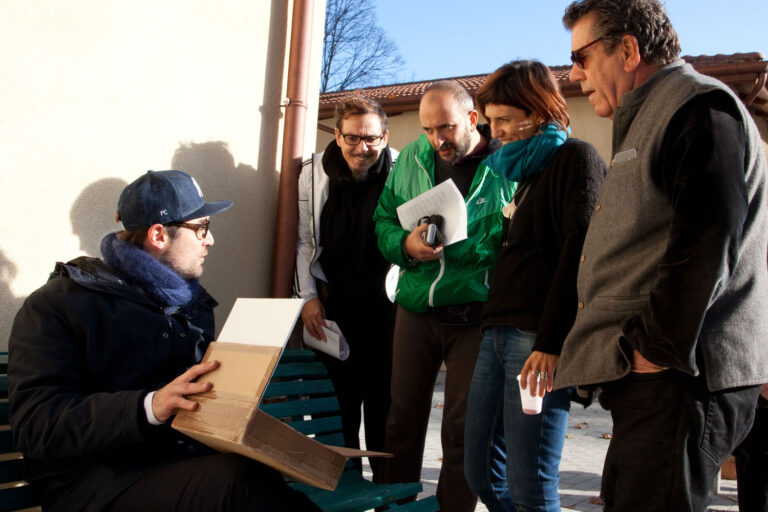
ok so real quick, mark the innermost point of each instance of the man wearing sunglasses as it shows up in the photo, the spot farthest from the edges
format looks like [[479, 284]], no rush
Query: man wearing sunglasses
[[103, 355], [340, 271], [672, 285]]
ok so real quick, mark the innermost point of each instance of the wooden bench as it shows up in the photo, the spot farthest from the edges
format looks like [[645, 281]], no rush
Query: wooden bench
[[301, 394]]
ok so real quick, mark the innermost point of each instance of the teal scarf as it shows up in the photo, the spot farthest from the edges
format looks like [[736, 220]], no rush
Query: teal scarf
[[522, 159]]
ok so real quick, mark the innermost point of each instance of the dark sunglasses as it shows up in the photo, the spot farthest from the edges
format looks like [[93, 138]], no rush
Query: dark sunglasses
[[576, 56]]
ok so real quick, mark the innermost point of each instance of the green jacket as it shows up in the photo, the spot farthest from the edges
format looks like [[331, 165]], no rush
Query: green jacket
[[463, 272]]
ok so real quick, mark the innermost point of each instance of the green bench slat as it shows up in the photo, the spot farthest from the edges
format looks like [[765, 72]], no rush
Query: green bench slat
[[317, 426], [359, 495], [298, 388], [333, 439], [374, 495], [296, 370], [327, 405], [428, 504], [292, 355]]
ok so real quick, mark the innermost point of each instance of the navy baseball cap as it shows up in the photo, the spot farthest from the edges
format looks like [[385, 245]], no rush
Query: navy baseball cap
[[164, 197]]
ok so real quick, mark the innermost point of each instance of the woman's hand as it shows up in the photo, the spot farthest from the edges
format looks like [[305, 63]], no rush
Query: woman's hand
[[542, 365], [313, 315]]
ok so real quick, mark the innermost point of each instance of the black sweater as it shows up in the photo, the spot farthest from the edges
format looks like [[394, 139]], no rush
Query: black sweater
[[534, 285]]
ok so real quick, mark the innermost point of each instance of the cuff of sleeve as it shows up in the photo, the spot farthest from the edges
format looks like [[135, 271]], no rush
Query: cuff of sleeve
[[309, 295], [409, 260], [148, 410]]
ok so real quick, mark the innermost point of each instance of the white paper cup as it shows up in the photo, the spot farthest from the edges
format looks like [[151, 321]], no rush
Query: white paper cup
[[531, 404]]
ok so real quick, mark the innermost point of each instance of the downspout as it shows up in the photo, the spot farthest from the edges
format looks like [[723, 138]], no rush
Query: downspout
[[293, 149]]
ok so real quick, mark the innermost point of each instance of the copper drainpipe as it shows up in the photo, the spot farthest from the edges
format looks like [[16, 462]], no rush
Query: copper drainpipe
[[293, 149]]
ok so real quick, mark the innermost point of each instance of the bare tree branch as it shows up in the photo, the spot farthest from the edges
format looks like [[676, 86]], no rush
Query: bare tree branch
[[356, 51]]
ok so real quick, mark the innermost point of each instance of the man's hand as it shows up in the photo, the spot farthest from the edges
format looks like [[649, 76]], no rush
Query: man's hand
[[642, 365], [544, 364], [168, 399], [313, 315], [415, 247]]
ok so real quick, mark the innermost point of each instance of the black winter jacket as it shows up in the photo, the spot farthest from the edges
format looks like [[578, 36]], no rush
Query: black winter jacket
[[85, 349]]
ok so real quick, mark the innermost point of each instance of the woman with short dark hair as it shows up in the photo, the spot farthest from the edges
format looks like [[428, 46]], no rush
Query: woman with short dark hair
[[512, 457]]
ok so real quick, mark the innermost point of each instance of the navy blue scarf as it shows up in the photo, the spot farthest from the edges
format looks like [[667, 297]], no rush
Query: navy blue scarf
[[156, 279]]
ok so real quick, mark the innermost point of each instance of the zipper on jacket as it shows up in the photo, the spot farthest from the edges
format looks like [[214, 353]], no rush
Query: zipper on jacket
[[432, 287], [437, 279], [418, 162]]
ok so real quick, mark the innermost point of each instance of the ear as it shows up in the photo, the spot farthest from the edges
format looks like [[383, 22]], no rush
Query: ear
[[337, 133], [473, 118], [385, 139], [630, 52], [157, 238]]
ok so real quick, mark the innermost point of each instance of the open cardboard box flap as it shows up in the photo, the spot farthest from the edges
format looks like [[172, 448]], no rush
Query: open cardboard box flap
[[228, 418]]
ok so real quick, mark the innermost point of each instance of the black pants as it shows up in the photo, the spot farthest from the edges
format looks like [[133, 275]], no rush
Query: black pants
[[670, 437], [752, 466], [222, 482], [362, 381]]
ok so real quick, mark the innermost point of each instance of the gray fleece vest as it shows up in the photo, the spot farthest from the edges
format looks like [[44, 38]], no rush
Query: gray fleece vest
[[627, 238]]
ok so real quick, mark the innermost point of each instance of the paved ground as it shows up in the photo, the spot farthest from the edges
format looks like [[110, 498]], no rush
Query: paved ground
[[581, 465]]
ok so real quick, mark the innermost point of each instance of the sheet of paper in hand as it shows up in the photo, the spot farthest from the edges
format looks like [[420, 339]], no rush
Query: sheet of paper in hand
[[335, 343], [444, 200]]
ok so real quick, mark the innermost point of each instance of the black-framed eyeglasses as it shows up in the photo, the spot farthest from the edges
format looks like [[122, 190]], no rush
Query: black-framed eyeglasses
[[576, 56], [201, 230], [354, 140]]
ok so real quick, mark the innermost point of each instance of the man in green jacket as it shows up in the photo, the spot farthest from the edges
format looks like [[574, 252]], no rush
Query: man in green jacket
[[440, 290]]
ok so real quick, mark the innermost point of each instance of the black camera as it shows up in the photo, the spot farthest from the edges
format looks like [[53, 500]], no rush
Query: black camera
[[433, 236]]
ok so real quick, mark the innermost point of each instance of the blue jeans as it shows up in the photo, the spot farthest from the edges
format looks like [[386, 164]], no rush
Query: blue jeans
[[511, 459]]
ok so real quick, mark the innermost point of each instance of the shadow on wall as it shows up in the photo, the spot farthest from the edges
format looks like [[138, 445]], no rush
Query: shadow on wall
[[239, 263], [93, 213], [11, 303]]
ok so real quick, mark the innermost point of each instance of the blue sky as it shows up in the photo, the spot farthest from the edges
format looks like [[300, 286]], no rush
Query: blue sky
[[444, 38]]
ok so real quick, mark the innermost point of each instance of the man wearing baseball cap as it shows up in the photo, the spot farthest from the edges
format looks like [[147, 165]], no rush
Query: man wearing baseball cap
[[103, 355]]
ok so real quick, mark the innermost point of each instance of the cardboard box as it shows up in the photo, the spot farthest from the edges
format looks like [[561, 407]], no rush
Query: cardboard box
[[228, 418]]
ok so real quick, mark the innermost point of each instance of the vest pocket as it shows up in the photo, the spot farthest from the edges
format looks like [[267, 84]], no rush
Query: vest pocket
[[621, 303]]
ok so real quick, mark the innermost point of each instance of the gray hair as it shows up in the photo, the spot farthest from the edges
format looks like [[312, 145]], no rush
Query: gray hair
[[644, 19]]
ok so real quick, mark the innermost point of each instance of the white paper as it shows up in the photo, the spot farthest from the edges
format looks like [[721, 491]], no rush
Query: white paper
[[444, 199], [335, 343], [265, 322]]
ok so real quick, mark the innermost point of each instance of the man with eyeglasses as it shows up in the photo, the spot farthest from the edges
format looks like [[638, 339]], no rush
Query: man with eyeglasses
[[672, 285], [104, 354], [340, 271], [441, 290]]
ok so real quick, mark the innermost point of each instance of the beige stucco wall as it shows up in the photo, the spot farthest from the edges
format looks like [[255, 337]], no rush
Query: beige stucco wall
[[96, 92]]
